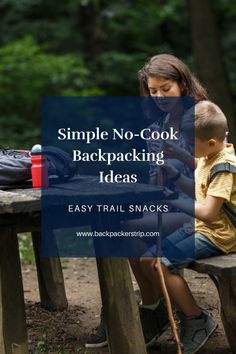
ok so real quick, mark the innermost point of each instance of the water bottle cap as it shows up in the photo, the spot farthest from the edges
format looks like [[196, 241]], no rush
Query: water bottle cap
[[36, 149]]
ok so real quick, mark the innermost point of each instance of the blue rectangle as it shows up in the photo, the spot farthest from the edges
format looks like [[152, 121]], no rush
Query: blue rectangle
[[109, 209]]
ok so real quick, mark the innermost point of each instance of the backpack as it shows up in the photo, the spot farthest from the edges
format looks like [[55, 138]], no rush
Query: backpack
[[15, 166], [225, 167]]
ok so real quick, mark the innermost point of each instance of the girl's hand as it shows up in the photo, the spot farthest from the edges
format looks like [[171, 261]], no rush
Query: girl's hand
[[173, 151], [170, 170]]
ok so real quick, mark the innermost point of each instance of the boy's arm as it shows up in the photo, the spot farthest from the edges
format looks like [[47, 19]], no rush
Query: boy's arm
[[206, 212], [218, 192]]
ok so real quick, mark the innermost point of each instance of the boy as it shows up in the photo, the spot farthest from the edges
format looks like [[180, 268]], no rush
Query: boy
[[214, 232]]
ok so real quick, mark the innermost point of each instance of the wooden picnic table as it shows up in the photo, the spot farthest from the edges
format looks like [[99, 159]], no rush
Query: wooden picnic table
[[20, 211]]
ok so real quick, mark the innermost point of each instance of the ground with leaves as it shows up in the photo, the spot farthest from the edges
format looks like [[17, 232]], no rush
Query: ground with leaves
[[66, 332]]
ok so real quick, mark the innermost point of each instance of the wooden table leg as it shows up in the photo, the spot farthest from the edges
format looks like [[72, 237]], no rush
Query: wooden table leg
[[13, 334], [226, 286], [50, 279], [120, 307], [122, 321]]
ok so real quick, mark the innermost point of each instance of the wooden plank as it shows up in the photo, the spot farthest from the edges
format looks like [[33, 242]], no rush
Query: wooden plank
[[19, 201], [85, 189], [50, 279], [90, 191], [23, 222], [2, 346], [220, 265], [13, 322], [123, 325]]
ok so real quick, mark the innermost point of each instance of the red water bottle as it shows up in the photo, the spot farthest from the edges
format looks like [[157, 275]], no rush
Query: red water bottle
[[39, 171]]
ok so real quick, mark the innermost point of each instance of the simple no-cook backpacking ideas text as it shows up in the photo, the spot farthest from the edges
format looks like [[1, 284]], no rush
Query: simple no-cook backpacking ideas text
[[109, 157]]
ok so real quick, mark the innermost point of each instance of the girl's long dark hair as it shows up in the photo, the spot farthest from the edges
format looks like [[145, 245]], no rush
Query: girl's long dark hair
[[172, 68]]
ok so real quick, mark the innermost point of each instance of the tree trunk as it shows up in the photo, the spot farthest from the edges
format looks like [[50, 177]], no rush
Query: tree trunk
[[209, 59], [89, 23]]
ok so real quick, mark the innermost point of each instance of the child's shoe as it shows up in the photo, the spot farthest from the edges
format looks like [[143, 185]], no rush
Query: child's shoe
[[98, 339], [195, 331], [154, 322]]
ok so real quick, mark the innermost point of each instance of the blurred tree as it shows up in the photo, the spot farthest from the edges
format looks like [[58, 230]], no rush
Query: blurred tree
[[95, 30], [209, 58], [132, 32], [89, 24]]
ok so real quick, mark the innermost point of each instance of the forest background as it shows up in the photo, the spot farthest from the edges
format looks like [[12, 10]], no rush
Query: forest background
[[96, 47]]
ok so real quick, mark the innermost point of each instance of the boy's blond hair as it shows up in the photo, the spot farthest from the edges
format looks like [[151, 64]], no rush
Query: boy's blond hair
[[208, 119]]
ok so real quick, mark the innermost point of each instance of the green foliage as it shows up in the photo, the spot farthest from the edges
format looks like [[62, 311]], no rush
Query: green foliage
[[26, 248], [43, 345], [119, 74], [27, 73], [46, 20]]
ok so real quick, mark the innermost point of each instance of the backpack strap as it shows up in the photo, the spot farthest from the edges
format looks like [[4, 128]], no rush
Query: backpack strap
[[225, 167], [221, 167], [64, 166]]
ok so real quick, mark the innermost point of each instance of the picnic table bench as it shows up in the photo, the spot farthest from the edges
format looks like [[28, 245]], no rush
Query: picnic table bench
[[222, 270]]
